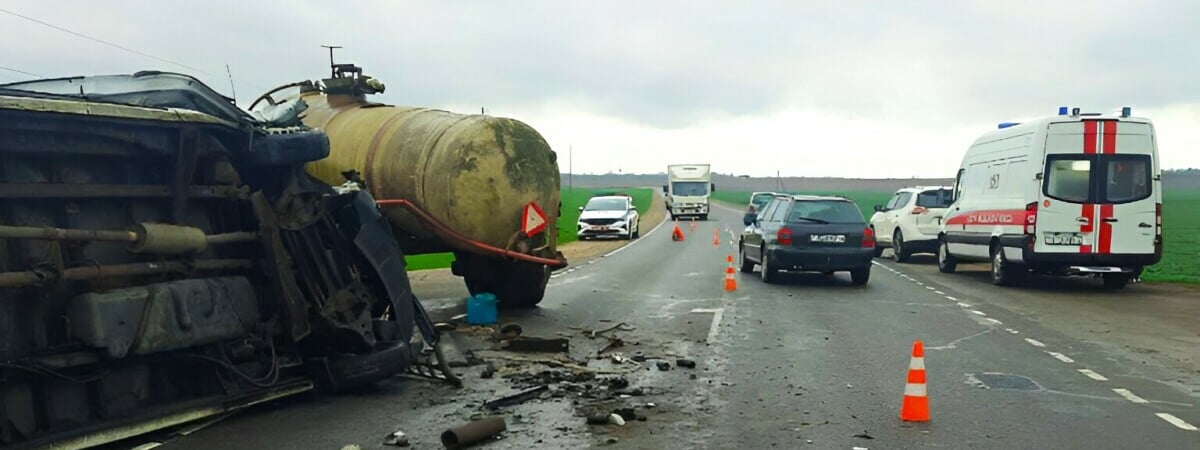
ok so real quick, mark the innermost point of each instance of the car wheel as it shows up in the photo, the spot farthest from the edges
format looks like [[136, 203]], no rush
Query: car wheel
[[768, 273], [899, 252], [860, 277], [637, 229], [1003, 272], [747, 265], [946, 261], [1114, 281]]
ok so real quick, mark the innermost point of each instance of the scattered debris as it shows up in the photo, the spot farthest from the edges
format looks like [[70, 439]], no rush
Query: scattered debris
[[663, 365], [535, 344], [651, 405], [488, 372], [612, 343], [510, 330], [611, 440], [445, 326], [616, 419], [351, 447], [598, 419], [519, 397], [626, 413], [397, 439], [620, 325], [685, 363], [864, 435], [473, 432]]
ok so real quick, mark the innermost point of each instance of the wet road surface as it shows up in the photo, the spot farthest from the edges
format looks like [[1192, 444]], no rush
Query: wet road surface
[[811, 362]]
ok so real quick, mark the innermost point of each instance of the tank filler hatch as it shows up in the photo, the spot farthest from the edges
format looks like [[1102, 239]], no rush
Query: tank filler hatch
[[348, 79]]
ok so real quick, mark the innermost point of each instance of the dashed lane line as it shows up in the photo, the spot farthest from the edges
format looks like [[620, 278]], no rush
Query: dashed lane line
[[1061, 357], [1171, 419], [1130, 396], [1011, 330], [1093, 375], [716, 322], [1035, 342], [978, 312]]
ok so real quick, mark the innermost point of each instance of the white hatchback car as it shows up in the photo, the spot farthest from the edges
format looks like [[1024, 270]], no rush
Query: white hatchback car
[[609, 215], [911, 221]]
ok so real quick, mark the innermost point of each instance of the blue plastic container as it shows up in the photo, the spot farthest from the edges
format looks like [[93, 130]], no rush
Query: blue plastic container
[[481, 309]]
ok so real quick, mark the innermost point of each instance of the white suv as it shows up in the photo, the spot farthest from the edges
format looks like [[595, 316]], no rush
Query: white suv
[[911, 221], [609, 215]]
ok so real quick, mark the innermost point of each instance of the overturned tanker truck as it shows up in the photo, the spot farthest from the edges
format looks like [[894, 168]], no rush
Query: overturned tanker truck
[[483, 187], [165, 256]]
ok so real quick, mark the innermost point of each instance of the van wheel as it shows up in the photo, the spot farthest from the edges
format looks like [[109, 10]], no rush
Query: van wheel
[[946, 262], [1114, 281], [899, 253], [1004, 273]]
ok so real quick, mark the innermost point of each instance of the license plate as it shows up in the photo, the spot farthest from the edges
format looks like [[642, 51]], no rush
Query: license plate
[[1064, 239], [600, 228], [828, 238]]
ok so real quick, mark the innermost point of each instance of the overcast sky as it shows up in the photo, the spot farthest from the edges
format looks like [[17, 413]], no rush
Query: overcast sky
[[851, 89]]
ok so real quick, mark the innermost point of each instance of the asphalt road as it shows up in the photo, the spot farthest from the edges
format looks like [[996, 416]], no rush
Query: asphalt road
[[812, 362]]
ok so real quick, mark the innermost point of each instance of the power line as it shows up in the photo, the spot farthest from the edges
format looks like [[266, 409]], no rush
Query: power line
[[22, 72], [130, 50]]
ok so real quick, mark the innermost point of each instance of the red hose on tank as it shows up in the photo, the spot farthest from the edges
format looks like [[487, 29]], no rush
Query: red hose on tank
[[447, 233]]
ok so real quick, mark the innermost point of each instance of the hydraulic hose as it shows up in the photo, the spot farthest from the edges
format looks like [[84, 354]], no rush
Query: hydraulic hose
[[447, 233]]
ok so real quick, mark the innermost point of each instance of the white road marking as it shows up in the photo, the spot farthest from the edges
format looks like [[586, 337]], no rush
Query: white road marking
[[1130, 396], [951, 298], [1010, 330], [977, 312], [1176, 421], [931, 288], [997, 322], [964, 305], [1093, 375], [939, 292], [717, 322], [918, 283], [1061, 357], [1034, 342]]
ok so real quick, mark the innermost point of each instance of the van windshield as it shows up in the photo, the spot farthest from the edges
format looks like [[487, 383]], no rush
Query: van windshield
[[825, 211]]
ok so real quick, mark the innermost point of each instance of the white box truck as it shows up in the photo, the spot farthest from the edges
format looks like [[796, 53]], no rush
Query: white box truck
[[1072, 194], [687, 190]]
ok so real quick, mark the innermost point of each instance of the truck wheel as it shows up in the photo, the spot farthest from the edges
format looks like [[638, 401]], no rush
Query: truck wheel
[[515, 284], [946, 261], [899, 253], [1115, 281]]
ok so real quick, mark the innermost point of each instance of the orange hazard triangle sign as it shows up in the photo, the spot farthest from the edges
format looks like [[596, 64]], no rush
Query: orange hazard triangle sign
[[533, 221]]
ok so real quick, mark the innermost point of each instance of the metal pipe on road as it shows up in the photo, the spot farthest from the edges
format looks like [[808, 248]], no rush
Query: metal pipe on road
[[473, 432]]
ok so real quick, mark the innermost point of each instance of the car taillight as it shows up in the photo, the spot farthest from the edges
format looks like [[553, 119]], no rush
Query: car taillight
[[784, 236], [920, 210], [1158, 219], [868, 238], [1031, 218]]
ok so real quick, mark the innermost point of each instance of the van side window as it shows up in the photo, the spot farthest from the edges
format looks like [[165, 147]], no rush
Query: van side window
[[1069, 178]]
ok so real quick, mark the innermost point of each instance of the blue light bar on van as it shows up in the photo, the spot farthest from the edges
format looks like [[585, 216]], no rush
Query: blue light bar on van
[[1062, 110], [1008, 124], [1126, 111]]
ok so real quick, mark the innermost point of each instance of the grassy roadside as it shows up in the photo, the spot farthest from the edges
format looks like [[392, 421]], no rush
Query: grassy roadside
[[572, 199], [1181, 213]]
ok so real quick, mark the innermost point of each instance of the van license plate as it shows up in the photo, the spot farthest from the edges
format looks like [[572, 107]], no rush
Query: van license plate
[[1064, 239], [828, 238]]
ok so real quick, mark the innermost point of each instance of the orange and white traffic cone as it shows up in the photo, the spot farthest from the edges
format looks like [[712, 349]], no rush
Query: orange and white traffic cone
[[716, 238], [916, 404], [676, 234], [730, 275]]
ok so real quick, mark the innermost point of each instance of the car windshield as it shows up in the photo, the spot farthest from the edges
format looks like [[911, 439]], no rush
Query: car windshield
[[606, 204], [689, 188], [940, 198], [825, 211]]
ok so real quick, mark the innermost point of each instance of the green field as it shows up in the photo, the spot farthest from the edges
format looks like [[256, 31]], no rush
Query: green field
[[1181, 213], [572, 199]]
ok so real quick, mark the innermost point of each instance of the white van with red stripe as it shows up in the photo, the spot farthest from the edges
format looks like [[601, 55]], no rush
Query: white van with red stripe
[[1072, 194]]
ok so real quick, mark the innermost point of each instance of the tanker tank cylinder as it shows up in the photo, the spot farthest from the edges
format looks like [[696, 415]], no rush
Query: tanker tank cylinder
[[476, 175]]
